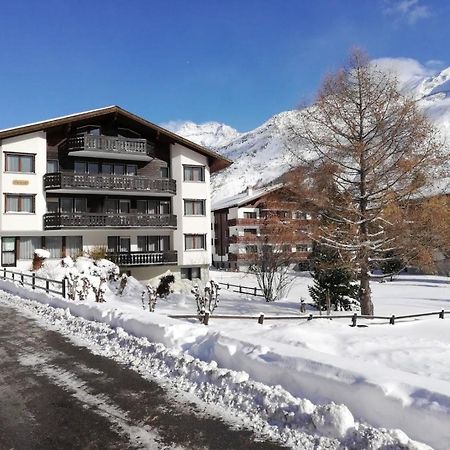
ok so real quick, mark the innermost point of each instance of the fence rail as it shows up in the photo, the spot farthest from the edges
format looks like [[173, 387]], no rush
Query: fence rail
[[204, 318], [244, 289], [36, 282]]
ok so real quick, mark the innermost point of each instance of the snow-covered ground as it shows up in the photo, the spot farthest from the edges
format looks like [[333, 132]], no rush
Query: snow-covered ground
[[389, 376]]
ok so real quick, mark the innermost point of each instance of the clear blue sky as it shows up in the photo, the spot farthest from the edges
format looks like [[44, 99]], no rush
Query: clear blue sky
[[233, 61]]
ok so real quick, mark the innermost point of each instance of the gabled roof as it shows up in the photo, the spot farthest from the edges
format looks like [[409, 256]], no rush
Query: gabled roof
[[96, 113], [245, 197]]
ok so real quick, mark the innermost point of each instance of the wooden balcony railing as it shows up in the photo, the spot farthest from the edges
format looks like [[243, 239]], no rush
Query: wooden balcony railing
[[240, 222], [143, 258], [84, 181], [110, 219], [109, 144]]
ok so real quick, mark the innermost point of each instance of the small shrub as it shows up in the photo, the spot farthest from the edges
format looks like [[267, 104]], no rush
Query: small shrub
[[98, 252], [163, 289], [123, 283], [208, 300], [149, 296]]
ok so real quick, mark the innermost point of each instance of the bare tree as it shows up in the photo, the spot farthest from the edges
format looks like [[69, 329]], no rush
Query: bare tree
[[373, 152]]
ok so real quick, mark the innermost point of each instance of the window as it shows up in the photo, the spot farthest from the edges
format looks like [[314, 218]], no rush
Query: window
[[119, 244], [124, 206], [52, 205], [194, 242], [164, 172], [16, 162], [194, 207], [107, 168], [119, 169], [8, 251], [301, 215], [190, 273], [54, 245], [79, 167], [194, 173], [72, 205], [153, 243], [27, 246], [131, 169], [74, 246], [52, 166], [302, 248], [249, 214], [92, 168], [19, 203], [250, 231], [251, 249], [153, 206]]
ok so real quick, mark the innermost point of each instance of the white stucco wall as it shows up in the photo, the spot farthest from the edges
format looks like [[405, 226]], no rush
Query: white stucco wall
[[190, 190], [33, 143]]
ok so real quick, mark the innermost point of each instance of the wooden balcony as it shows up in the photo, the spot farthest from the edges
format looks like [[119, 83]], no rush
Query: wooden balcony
[[244, 222], [143, 258], [53, 221], [109, 147], [246, 239], [72, 182]]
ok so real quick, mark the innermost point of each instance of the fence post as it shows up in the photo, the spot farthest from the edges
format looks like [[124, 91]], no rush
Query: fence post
[[47, 285], [310, 317], [255, 291], [392, 320], [261, 319], [12, 273], [33, 281], [206, 318], [354, 317], [21, 278], [63, 287], [240, 289], [441, 314], [228, 285], [4, 273]]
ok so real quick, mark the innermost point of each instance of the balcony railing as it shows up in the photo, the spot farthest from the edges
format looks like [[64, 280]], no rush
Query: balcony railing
[[143, 258], [110, 219], [243, 222], [84, 181], [109, 144]]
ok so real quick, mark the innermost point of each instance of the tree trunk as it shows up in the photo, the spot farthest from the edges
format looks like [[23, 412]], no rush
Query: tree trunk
[[364, 289]]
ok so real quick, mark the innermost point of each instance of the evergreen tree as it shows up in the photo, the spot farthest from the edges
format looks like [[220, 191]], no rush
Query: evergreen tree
[[331, 279]]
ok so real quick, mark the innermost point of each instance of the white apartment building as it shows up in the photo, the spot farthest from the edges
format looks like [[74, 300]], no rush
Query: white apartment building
[[112, 179]]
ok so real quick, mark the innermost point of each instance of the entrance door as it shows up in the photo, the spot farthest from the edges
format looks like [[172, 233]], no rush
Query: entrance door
[[8, 251]]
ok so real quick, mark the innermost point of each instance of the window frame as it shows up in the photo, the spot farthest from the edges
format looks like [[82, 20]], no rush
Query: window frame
[[195, 247], [202, 202], [20, 155], [20, 198], [187, 167]]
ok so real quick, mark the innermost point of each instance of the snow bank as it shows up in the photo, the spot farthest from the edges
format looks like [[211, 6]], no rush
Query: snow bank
[[421, 409], [270, 411]]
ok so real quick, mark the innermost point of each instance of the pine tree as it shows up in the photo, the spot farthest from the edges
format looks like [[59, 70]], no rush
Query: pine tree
[[331, 279]]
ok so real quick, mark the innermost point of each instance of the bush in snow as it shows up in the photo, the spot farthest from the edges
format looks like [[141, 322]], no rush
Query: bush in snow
[[163, 289], [208, 300], [83, 288], [39, 256], [113, 273], [123, 283], [72, 280], [98, 252], [150, 297], [100, 290]]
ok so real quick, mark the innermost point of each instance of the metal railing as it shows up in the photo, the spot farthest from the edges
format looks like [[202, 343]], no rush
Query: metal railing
[[85, 181], [108, 219], [36, 282]]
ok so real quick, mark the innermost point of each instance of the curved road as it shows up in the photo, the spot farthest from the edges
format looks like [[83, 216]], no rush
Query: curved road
[[56, 395]]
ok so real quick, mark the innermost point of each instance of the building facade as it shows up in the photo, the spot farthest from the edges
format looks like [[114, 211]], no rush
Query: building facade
[[239, 222], [107, 178]]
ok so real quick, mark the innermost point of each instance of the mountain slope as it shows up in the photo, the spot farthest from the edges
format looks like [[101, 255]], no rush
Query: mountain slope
[[263, 154]]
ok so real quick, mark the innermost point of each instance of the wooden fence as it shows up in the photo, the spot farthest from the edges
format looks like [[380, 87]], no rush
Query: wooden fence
[[36, 282], [353, 318], [244, 289]]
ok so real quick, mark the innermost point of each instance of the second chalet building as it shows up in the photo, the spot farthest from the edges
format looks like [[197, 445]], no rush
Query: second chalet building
[[107, 178]]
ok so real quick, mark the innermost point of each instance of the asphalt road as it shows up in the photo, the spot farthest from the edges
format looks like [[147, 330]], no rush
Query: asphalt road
[[56, 395]]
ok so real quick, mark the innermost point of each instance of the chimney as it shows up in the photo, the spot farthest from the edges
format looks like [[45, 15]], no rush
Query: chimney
[[249, 191]]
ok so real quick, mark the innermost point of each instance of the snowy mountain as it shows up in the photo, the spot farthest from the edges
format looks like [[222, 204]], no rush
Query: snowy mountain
[[263, 154], [209, 134]]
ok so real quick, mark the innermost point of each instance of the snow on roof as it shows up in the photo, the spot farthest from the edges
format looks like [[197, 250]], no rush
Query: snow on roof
[[244, 197]]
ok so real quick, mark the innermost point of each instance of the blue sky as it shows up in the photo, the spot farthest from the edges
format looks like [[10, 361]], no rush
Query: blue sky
[[233, 61]]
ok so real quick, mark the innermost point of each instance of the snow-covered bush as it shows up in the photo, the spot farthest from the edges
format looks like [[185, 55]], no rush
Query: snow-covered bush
[[39, 256], [83, 287], [100, 290], [208, 300], [123, 283], [149, 298], [98, 252]]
